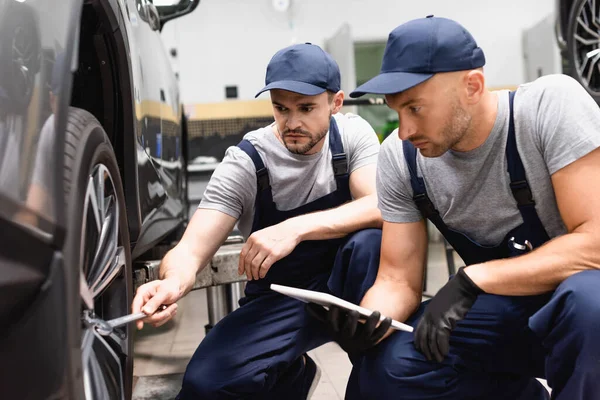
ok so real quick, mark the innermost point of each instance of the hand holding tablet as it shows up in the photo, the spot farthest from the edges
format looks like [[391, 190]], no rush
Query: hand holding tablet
[[326, 300]]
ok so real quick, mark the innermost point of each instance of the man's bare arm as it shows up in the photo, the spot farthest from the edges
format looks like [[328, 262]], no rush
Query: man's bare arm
[[397, 290], [206, 231], [267, 246], [203, 236], [350, 217], [577, 190]]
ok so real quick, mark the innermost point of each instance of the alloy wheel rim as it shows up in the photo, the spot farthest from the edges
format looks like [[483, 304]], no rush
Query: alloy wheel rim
[[587, 45], [102, 284]]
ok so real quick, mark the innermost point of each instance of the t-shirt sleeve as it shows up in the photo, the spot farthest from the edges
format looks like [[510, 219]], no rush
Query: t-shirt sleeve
[[568, 122], [393, 188], [362, 142], [232, 187]]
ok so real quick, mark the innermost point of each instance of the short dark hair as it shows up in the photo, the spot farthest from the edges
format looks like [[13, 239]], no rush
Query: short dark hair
[[330, 95]]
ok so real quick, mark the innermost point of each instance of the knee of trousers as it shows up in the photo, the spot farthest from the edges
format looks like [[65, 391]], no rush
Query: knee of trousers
[[398, 372], [580, 298], [570, 317], [207, 379], [356, 265], [360, 253], [365, 241]]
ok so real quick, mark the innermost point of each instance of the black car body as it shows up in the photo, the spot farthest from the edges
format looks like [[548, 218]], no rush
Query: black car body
[[577, 28], [92, 179]]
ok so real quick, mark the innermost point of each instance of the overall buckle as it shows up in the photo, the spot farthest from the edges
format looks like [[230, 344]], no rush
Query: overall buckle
[[522, 193], [425, 205], [262, 179], [340, 164]]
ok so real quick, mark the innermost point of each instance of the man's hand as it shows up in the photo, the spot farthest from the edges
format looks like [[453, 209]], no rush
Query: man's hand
[[448, 306], [267, 246], [345, 328], [150, 296]]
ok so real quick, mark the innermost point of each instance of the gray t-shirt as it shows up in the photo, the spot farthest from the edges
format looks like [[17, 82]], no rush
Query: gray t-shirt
[[556, 123], [295, 179]]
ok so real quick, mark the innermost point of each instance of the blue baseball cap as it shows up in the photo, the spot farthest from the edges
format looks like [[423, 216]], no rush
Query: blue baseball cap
[[418, 49], [302, 68]]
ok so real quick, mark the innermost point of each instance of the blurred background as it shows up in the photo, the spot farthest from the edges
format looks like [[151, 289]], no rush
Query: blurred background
[[220, 53]]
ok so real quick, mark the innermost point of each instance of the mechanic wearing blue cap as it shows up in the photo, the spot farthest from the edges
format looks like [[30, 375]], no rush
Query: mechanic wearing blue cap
[[511, 181], [303, 191]]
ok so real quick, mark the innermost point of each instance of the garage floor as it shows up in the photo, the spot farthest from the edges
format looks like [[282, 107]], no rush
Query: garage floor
[[161, 354]]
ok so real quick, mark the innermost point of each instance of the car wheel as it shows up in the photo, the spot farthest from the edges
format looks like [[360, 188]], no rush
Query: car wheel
[[97, 251], [583, 44]]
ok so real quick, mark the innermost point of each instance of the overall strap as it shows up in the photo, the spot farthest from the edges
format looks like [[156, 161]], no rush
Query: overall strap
[[262, 175], [339, 159], [264, 196], [420, 196], [518, 182], [534, 231]]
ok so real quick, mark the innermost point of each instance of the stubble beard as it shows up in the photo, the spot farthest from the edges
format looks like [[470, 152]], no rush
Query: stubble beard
[[454, 131], [295, 147]]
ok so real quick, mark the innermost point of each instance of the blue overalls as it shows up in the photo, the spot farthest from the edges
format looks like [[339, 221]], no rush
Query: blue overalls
[[255, 352], [504, 341]]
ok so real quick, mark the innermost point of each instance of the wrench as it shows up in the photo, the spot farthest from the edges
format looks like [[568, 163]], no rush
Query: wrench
[[105, 328]]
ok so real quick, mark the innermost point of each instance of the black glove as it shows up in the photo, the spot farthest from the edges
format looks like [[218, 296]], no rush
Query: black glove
[[352, 336], [448, 306]]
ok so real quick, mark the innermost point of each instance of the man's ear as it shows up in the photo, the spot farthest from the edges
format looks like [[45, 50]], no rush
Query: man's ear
[[338, 102], [475, 84]]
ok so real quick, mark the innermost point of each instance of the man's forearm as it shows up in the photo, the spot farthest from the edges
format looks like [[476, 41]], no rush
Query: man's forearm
[[179, 264], [543, 269], [392, 299], [201, 240], [340, 221]]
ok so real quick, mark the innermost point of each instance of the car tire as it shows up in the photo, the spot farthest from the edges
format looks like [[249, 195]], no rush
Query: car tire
[[97, 252], [585, 70]]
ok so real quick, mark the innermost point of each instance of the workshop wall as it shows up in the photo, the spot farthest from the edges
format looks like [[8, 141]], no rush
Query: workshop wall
[[230, 42]]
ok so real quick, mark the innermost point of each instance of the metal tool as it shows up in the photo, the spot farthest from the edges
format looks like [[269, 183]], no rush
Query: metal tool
[[526, 246], [105, 328]]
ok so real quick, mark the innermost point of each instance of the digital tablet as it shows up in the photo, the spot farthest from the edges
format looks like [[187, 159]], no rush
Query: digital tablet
[[326, 300]]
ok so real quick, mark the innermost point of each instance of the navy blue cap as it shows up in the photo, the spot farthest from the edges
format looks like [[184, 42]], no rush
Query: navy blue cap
[[302, 68], [418, 49]]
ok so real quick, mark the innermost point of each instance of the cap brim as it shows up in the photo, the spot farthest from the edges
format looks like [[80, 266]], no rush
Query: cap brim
[[303, 88], [390, 82]]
